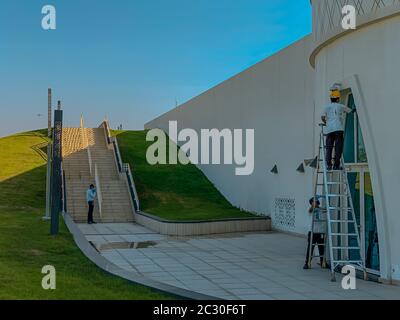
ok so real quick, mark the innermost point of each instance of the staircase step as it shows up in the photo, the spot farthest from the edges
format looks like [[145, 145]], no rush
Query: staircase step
[[116, 204]]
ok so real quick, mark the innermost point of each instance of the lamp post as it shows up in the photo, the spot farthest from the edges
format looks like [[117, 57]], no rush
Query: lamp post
[[56, 176], [49, 107], [48, 173]]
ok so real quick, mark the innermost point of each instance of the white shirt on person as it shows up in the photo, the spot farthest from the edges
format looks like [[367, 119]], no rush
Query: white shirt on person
[[335, 114], [320, 222]]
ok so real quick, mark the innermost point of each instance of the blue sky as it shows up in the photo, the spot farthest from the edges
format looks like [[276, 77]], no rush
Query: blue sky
[[132, 59]]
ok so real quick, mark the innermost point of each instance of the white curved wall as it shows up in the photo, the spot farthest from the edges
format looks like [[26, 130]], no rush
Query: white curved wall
[[274, 97], [282, 97], [368, 61]]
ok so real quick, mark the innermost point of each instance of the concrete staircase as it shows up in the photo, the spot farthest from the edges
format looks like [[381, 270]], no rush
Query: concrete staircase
[[116, 204]]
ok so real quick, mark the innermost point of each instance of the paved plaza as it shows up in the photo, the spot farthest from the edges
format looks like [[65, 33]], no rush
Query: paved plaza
[[249, 266]]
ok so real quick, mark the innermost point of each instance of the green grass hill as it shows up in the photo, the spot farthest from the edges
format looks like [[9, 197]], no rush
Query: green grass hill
[[25, 243], [173, 192]]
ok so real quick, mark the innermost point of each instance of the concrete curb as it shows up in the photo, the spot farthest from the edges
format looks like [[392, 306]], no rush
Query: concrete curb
[[113, 269], [199, 228]]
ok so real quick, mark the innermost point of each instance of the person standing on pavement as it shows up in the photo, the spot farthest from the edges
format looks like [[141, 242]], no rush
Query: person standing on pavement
[[90, 198], [316, 238]]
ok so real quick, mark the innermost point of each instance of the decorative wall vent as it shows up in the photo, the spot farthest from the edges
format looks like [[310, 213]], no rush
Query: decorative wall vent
[[285, 214], [312, 163], [301, 168]]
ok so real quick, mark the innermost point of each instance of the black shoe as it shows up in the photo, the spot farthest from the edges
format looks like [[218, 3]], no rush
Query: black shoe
[[306, 267], [338, 168], [329, 168], [90, 222], [94, 222]]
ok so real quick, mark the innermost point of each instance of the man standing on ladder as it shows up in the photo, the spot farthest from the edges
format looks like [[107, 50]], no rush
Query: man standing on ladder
[[334, 117]]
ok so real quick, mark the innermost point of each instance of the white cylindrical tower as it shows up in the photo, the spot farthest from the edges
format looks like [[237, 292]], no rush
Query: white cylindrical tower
[[366, 63]]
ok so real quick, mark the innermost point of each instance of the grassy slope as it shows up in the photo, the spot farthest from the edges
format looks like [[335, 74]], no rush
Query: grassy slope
[[25, 244], [174, 192]]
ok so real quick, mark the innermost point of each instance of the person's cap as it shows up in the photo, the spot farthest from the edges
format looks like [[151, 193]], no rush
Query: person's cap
[[335, 94]]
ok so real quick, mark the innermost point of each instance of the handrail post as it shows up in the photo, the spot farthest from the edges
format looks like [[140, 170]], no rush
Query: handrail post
[[98, 189]]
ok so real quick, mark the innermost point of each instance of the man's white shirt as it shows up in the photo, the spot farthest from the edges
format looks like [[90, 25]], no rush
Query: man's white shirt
[[335, 114], [320, 221]]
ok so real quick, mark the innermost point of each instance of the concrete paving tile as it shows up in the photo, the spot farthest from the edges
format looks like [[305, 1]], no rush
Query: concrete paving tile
[[236, 285], [186, 275], [148, 268], [322, 296], [245, 291], [289, 296], [200, 284], [260, 297], [277, 290], [230, 262], [226, 280], [301, 289], [214, 271]]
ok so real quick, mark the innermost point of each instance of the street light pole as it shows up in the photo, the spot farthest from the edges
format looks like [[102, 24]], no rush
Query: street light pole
[[49, 107], [49, 156]]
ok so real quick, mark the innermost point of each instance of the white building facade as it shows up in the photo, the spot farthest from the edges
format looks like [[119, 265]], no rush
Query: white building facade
[[282, 98]]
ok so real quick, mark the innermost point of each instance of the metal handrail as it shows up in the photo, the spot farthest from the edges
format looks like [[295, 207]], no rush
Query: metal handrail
[[106, 127], [90, 160], [98, 190], [132, 187], [123, 168], [85, 145], [117, 154]]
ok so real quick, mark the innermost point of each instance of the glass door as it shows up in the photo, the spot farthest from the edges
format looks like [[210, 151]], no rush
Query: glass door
[[370, 227], [356, 162], [364, 207]]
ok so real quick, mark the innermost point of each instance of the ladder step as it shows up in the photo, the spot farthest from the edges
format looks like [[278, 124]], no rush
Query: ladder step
[[332, 171], [349, 261], [335, 210], [331, 184], [337, 205]]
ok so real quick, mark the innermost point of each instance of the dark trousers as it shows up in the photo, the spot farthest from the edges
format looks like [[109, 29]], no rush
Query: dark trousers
[[90, 213], [319, 239], [334, 140]]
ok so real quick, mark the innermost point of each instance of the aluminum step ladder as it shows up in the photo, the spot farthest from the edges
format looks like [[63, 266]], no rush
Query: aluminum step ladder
[[342, 231]]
